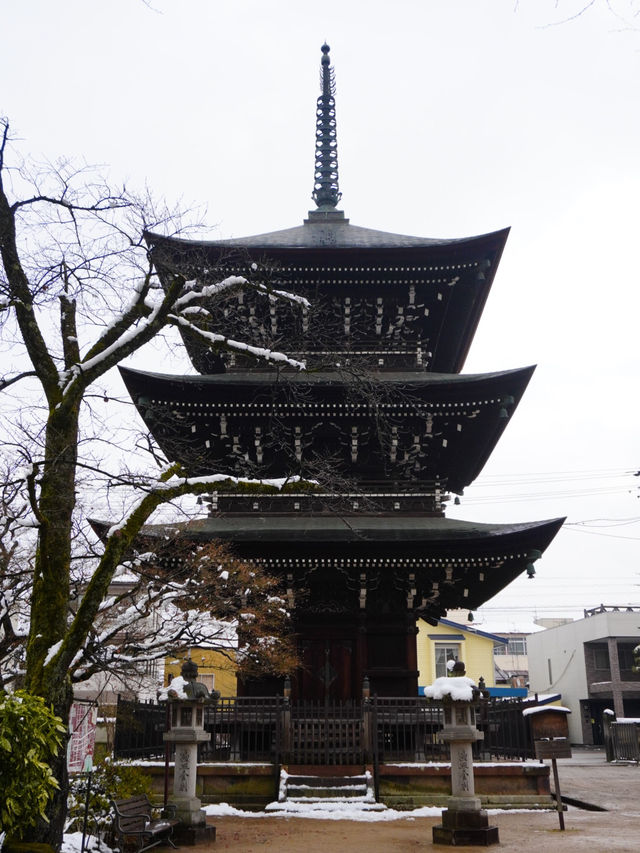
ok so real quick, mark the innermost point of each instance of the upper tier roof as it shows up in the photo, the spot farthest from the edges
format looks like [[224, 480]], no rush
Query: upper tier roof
[[443, 534], [381, 298], [334, 232]]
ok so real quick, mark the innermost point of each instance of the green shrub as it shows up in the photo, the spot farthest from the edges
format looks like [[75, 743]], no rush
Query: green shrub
[[30, 737]]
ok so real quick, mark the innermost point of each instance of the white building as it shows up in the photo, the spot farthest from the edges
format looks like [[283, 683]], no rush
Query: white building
[[510, 657], [589, 662]]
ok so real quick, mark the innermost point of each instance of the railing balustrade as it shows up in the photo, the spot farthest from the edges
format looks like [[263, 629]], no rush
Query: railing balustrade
[[377, 730]]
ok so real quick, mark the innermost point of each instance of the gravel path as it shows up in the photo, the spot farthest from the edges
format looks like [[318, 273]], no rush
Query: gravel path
[[585, 777]]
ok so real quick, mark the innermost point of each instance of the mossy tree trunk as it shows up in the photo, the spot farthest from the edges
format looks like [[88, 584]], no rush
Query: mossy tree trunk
[[27, 293], [50, 600]]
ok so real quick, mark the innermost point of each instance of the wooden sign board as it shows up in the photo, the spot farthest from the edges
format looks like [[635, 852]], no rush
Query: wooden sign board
[[556, 748]]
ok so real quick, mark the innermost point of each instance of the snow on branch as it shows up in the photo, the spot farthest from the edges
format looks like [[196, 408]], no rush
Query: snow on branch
[[238, 346], [172, 485], [209, 291]]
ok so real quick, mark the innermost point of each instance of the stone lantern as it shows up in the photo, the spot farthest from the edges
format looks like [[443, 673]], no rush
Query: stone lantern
[[463, 821], [187, 698]]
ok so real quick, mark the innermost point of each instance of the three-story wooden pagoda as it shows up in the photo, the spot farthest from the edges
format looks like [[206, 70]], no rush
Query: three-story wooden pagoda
[[382, 419]]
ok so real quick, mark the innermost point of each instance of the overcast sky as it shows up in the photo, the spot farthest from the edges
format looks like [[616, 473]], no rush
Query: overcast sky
[[455, 118]]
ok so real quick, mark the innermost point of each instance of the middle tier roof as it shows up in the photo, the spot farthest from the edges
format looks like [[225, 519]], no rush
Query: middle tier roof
[[403, 430]]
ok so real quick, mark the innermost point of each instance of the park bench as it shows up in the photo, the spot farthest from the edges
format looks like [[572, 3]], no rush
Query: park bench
[[135, 828]]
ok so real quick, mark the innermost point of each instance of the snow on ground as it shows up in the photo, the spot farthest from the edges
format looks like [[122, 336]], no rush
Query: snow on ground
[[72, 843], [334, 811], [314, 811]]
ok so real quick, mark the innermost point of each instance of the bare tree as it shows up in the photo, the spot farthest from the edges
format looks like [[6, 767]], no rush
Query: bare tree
[[79, 293], [16, 579]]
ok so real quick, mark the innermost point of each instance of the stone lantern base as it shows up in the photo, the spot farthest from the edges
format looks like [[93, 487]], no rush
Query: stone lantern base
[[190, 836], [465, 826]]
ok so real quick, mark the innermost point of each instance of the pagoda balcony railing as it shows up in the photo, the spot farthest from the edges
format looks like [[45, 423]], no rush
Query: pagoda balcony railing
[[370, 500]]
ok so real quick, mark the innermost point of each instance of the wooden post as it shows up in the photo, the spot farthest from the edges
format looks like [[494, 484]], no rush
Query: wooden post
[[550, 732], [556, 782]]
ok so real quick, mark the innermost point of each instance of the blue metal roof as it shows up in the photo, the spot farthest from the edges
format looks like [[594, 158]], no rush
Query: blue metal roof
[[469, 629]]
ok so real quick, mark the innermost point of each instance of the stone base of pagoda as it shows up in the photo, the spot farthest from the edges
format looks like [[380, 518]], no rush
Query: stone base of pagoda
[[465, 826]]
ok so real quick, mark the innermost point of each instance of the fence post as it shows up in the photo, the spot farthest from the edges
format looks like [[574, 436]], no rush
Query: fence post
[[607, 719], [284, 722], [373, 718], [367, 737]]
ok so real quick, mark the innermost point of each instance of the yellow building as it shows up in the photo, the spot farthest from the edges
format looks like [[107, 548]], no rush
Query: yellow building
[[216, 669], [452, 641]]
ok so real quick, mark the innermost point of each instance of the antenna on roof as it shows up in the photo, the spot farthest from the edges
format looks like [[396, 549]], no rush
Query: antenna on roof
[[326, 193]]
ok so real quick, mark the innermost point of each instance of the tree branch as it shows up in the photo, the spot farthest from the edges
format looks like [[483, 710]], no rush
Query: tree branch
[[21, 298], [119, 542], [5, 383]]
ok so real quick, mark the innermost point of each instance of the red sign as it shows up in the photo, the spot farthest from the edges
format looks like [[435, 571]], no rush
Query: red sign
[[82, 728]]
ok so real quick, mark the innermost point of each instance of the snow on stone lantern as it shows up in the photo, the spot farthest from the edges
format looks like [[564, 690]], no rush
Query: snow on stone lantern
[[463, 821], [187, 698]]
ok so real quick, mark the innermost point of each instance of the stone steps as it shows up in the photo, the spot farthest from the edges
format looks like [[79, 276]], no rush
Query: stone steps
[[325, 793]]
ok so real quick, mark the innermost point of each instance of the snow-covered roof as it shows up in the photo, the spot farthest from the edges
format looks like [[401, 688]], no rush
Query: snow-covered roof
[[544, 708], [503, 627]]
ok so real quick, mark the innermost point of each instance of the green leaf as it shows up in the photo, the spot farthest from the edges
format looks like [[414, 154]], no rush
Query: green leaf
[[30, 737]]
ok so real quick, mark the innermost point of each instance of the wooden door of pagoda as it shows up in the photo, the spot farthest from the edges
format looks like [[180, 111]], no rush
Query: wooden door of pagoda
[[326, 673]]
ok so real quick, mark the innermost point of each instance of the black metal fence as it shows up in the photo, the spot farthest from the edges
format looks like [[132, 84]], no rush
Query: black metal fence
[[379, 730], [506, 731], [139, 729]]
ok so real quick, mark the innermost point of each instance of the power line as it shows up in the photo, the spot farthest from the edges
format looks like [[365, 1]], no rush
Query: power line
[[581, 472], [545, 496], [611, 522], [572, 529]]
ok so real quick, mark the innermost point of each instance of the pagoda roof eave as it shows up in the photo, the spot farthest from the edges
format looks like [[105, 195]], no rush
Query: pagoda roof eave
[[157, 395], [483, 558], [269, 375], [313, 235], [325, 245], [374, 528]]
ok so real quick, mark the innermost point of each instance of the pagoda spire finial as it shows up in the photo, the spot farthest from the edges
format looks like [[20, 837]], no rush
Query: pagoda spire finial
[[326, 193]]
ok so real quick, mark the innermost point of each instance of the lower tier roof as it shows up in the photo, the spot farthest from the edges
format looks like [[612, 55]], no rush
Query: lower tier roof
[[430, 565]]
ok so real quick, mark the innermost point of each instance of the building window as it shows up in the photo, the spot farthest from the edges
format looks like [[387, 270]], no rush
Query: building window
[[600, 656], [445, 653], [208, 679], [625, 657], [517, 646]]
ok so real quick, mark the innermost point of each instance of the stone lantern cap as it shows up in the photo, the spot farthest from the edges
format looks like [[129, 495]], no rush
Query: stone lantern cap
[[455, 687], [185, 687], [457, 692], [187, 697]]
